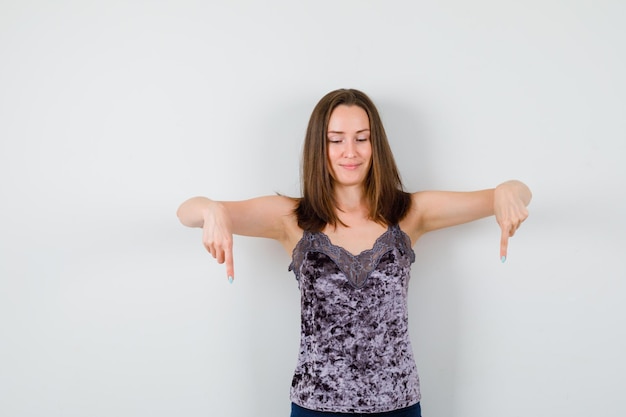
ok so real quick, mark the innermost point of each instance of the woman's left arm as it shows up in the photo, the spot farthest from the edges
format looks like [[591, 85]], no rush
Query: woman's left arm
[[432, 210]]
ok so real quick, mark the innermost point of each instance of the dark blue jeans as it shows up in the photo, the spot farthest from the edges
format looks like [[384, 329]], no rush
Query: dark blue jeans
[[412, 411]]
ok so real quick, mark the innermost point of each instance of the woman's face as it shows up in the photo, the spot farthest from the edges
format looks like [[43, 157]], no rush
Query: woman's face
[[349, 147]]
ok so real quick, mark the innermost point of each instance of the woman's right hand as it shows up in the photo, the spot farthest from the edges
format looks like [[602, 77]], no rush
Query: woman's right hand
[[217, 228], [217, 235]]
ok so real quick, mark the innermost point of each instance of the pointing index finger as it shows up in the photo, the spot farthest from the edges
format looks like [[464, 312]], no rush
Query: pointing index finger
[[230, 266], [504, 244]]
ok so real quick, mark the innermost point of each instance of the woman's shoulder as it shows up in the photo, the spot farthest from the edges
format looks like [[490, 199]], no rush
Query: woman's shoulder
[[280, 206], [276, 204]]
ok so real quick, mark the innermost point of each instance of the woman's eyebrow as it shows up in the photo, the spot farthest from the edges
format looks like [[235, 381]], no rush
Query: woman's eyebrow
[[339, 131]]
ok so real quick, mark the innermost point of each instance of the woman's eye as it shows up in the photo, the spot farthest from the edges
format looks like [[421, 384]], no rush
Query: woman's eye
[[334, 140], [361, 139]]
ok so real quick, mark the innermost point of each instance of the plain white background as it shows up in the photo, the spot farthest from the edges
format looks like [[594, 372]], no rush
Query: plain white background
[[114, 112]]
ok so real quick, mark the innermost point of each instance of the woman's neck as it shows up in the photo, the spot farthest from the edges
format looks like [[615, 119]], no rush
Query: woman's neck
[[351, 200]]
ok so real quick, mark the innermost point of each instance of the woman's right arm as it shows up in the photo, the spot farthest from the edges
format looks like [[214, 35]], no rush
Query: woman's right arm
[[267, 217]]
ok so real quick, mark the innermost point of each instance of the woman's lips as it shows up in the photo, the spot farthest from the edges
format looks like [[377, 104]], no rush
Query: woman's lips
[[350, 166]]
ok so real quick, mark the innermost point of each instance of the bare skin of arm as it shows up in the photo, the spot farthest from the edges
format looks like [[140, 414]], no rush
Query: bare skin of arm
[[269, 217], [432, 210], [272, 217]]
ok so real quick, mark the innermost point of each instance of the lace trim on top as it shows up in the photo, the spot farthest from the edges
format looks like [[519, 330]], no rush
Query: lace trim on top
[[356, 268]]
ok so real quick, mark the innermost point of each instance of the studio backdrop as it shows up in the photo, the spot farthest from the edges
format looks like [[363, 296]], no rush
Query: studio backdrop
[[114, 112]]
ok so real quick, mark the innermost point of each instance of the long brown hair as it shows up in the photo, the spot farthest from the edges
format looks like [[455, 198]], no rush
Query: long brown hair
[[387, 201]]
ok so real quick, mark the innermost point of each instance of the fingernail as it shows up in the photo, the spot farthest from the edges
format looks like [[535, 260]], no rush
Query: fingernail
[[503, 259], [230, 280]]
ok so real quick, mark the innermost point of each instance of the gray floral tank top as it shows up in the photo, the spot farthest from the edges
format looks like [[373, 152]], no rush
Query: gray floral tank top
[[355, 353]]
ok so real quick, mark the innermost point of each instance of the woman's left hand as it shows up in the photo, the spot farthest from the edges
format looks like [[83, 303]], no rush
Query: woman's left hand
[[510, 201]]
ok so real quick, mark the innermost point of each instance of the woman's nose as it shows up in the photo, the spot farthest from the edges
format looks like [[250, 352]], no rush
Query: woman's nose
[[350, 149]]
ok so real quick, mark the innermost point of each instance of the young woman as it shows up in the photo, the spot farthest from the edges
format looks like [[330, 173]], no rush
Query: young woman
[[351, 236]]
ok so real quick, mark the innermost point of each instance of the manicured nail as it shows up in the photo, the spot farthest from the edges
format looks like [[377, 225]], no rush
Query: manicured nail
[[503, 259], [230, 280]]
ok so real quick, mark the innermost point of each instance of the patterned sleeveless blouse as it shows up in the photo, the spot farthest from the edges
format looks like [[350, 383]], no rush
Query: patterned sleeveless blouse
[[355, 353]]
